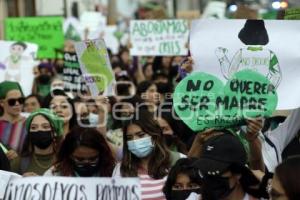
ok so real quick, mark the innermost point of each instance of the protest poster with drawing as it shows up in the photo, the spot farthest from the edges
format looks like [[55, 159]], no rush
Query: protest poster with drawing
[[159, 37], [47, 32], [17, 60], [203, 101], [95, 67], [269, 47], [65, 188]]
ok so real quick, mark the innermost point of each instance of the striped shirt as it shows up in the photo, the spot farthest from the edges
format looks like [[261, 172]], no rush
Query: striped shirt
[[13, 135], [151, 188]]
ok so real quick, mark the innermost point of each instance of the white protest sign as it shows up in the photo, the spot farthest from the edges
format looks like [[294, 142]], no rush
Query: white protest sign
[[17, 63], [63, 188], [270, 47], [94, 22], [159, 37], [215, 10], [95, 67], [5, 177]]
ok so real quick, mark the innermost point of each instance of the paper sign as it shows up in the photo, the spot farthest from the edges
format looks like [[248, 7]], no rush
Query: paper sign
[[292, 13], [94, 22], [72, 76], [215, 10], [95, 66], [202, 101], [270, 47], [72, 29], [62, 188], [159, 37], [5, 177], [17, 63], [47, 32]]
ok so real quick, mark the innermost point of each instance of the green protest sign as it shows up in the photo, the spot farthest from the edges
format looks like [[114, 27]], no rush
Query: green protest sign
[[202, 101], [95, 66], [47, 32], [292, 13]]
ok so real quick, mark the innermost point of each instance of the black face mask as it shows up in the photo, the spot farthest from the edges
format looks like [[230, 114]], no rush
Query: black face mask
[[44, 79], [163, 87], [169, 139], [183, 194], [216, 188], [41, 139], [86, 170]]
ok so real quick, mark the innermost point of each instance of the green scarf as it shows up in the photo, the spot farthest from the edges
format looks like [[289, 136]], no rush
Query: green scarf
[[56, 122], [7, 86]]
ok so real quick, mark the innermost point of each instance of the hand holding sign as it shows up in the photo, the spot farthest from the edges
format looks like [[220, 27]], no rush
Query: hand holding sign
[[202, 101]]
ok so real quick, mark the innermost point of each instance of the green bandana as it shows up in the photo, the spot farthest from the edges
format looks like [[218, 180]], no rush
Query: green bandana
[[56, 122], [7, 86]]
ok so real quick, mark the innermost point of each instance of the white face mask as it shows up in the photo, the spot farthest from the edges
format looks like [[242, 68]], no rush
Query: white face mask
[[93, 119]]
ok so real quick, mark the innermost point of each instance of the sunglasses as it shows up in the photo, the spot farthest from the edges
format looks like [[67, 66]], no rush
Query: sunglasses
[[12, 102]]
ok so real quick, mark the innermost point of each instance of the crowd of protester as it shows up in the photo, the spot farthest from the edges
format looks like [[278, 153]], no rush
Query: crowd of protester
[[136, 133]]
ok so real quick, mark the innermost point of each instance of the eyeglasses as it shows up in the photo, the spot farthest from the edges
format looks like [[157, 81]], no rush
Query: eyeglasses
[[80, 160], [12, 102]]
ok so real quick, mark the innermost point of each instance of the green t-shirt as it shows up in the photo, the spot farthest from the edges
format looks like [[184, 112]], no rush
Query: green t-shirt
[[38, 164]]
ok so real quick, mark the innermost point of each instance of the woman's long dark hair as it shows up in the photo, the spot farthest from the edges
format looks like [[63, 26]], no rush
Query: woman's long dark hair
[[27, 149], [288, 173], [87, 137], [160, 157], [57, 92], [182, 166]]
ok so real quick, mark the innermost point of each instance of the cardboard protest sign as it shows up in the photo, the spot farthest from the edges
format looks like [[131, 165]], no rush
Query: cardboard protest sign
[[47, 32], [95, 66], [292, 13], [274, 53], [62, 188], [72, 76], [17, 63], [159, 37], [202, 101], [5, 178]]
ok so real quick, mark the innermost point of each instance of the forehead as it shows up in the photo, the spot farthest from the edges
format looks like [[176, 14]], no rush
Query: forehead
[[39, 119], [183, 178], [133, 128], [83, 151], [13, 94], [59, 100], [31, 99]]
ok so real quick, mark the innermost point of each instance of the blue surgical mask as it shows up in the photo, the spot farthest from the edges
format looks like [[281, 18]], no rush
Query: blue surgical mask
[[93, 119], [141, 148]]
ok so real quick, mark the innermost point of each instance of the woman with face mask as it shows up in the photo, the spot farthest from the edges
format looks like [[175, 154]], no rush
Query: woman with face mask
[[182, 181], [44, 130], [83, 153], [145, 155]]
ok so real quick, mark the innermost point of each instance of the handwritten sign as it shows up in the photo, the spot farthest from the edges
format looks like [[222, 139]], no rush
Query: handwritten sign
[[47, 32], [159, 37], [95, 66], [72, 76], [62, 188], [202, 101], [238, 47]]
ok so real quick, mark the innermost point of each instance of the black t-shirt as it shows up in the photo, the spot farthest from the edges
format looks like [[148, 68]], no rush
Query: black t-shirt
[[292, 149]]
